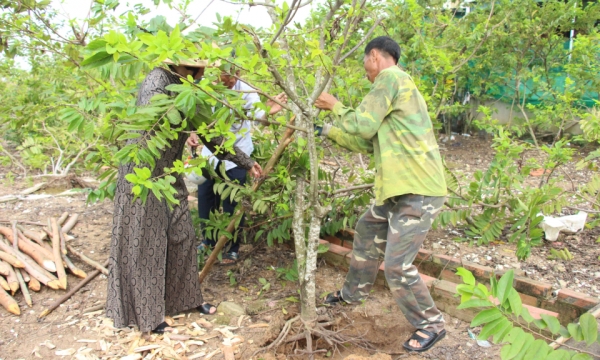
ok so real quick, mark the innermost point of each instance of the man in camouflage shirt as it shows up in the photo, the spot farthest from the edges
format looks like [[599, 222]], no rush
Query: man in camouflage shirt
[[392, 123]]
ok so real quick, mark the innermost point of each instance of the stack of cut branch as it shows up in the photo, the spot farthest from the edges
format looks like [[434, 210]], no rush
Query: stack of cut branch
[[29, 258]]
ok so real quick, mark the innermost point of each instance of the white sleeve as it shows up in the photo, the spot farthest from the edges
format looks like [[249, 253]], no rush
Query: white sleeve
[[251, 99]]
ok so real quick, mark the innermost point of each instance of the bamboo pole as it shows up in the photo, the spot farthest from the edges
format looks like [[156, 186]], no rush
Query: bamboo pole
[[4, 284], [11, 278], [9, 303], [87, 260], [32, 267], [70, 224], [34, 284], [74, 269], [60, 270], [11, 260], [81, 284], [283, 144], [34, 251], [24, 290], [62, 218]]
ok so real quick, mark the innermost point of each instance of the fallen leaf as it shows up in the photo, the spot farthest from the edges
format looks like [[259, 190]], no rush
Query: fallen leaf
[[169, 320], [205, 324], [66, 352], [261, 325], [48, 344], [135, 356], [197, 355], [212, 354], [146, 348]]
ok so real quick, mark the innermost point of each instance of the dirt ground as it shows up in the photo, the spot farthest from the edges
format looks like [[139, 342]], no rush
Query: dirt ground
[[70, 331]]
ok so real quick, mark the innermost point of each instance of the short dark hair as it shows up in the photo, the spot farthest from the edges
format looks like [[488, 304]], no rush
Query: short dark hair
[[386, 45]]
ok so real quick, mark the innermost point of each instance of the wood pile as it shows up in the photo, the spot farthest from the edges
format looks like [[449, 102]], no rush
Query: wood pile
[[32, 258]]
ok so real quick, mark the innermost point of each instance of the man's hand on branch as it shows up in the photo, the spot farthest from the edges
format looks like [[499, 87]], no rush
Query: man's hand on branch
[[275, 107], [193, 140], [326, 101], [255, 171]]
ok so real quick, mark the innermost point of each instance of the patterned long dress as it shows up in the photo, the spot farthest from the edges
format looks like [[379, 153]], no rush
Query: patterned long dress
[[153, 263]]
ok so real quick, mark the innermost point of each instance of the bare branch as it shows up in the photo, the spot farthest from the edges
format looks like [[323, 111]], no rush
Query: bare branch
[[361, 42], [352, 188], [198, 17]]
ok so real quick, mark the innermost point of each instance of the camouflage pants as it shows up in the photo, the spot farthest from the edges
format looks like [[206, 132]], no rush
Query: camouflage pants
[[396, 230]]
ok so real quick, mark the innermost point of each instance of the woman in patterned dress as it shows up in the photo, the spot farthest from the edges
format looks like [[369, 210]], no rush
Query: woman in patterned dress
[[153, 262]]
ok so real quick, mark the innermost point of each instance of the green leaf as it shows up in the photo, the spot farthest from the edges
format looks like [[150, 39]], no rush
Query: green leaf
[[575, 331], [475, 303], [466, 275], [505, 285], [582, 356], [527, 342], [493, 328], [559, 354], [538, 348], [525, 315], [98, 59], [486, 316], [553, 323], [515, 302], [517, 344], [540, 323], [589, 328], [502, 331]]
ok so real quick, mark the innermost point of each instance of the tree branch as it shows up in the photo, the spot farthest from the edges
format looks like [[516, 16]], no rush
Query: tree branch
[[361, 42]]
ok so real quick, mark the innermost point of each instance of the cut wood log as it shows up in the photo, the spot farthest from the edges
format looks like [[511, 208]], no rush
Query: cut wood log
[[11, 278], [81, 284], [62, 218], [32, 235], [11, 260], [4, 270], [4, 284], [70, 224], [15, 234], [34, 284], [32, 267], [63, 243], [22, 222], [9, 303], [74, 269], [34, 251], [33, 189], [24, 289], [60, 270], [26, 277], [87, 260]]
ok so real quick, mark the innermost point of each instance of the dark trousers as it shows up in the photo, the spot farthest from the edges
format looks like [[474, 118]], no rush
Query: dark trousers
[[209, 201]]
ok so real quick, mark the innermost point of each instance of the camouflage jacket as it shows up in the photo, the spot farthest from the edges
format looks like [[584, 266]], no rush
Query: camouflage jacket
[[392, 122]]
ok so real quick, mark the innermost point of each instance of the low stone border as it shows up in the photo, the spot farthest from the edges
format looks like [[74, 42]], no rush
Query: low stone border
[[568, 305]]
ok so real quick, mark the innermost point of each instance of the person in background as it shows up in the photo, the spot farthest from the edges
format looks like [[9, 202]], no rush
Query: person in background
[[208, 201], [153, 269], [392, 122]]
